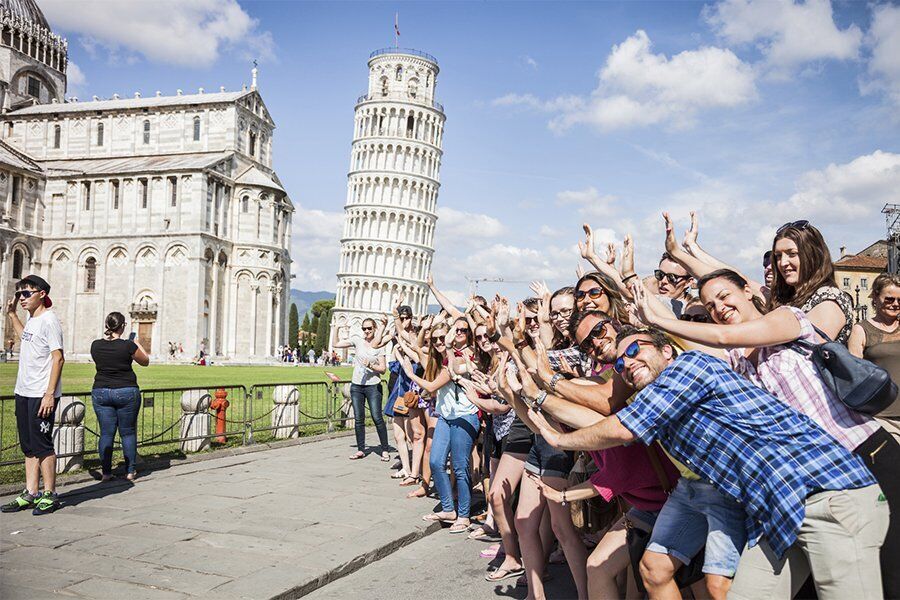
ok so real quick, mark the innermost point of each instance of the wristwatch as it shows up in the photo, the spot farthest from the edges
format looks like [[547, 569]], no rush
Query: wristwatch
[[539, 400], [554, 380]]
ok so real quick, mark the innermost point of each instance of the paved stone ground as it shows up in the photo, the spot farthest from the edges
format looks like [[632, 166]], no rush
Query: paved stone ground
[[441, 566], [260, 525]]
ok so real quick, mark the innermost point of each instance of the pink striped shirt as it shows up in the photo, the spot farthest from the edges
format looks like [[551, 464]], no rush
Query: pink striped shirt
[[787, 371]]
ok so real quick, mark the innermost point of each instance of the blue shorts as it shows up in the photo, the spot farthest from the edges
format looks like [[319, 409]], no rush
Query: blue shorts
[[695, 514]]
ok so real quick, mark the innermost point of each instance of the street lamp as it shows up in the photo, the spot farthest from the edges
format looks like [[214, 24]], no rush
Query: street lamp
[[860, 309]]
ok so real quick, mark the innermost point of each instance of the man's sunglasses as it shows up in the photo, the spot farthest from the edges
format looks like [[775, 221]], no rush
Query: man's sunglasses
[[404, 317], [585, 345], [631, 351], [564, 313], [26, 293], [368, 328], [802, 224], [593, 293], [699, 318], [671, 277]]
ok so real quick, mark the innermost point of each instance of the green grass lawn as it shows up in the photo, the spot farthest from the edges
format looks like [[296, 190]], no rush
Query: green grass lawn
[[160, 414]]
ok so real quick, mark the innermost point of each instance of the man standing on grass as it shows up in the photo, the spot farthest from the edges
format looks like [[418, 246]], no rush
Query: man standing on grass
[[38, 388]]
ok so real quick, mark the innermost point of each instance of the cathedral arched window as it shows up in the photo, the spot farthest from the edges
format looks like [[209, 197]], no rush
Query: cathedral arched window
[[245, 204], [18, 260], [57, 136], [252, 143], [99, 134], [90, 274], [146, 131], [196, 129], [86, 193], [399, 73], [410, 125]]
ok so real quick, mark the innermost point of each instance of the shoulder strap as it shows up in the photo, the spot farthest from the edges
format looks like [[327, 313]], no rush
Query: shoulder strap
[[657, 466]]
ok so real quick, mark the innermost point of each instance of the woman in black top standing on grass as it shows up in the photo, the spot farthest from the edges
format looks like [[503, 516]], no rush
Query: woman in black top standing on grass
[[116, 396]]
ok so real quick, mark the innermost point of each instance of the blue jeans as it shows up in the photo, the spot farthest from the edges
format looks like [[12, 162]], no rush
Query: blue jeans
[[117, 408], [455, 438], [359, 396]]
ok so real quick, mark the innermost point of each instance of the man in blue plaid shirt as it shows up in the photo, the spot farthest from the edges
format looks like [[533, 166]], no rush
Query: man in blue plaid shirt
[[811, 504]]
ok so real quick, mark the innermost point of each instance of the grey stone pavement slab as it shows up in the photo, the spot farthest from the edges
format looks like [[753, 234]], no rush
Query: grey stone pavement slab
[[280, 522]]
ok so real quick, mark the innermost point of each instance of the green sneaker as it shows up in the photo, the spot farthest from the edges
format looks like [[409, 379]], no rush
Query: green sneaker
[[47, 502], [21, 502]]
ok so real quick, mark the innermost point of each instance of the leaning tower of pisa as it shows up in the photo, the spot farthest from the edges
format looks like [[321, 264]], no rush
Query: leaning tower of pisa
[[392, 189]]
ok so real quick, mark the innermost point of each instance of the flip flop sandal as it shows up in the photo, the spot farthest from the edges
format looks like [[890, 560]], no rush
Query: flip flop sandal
[[434, 517], [385, 457], [409, 481], [357, 456], [490, 552], [459, 528], [501, 574], [401, 474]]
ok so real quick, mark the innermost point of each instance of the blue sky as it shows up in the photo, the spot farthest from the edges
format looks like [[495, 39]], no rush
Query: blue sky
[[751, 113]]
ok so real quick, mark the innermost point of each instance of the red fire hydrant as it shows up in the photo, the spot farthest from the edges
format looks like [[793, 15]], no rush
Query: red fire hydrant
[[220, 405]]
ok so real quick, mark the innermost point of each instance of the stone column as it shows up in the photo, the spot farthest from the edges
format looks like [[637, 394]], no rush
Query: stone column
[[195, 420], [278, 310], [68, 434], [269, 301], [286, 416], [214, 309], [254, 289]]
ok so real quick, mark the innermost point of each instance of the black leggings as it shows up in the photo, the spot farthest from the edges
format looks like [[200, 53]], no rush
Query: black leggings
[[881, 453]]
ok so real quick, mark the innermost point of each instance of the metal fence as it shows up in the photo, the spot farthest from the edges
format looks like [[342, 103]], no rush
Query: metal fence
[[190, 419]]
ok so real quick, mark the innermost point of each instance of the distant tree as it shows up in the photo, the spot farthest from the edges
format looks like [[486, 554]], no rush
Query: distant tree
[[320, 306], [305, 325], [323, 330], [293, 326]]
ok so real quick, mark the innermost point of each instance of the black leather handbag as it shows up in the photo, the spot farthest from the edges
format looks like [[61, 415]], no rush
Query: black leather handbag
[[860, 384]]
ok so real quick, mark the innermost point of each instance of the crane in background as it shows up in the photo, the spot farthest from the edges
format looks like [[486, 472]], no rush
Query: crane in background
[[892, 220], [474, 281]]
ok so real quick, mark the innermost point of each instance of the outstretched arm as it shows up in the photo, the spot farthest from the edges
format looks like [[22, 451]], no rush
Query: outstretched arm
[[608, 432], [589, 254], [443, 300]]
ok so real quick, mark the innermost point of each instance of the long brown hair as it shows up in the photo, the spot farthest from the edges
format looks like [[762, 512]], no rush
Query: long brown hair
[[562, 340], [470, 335], [435, 357], [735, 279], [617, 308], [816, 268]]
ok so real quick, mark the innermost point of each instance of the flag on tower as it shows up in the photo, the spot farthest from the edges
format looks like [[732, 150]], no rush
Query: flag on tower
[[397, 26]]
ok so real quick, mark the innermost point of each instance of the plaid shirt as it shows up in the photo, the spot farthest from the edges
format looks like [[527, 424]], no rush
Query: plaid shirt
[[751, 446]]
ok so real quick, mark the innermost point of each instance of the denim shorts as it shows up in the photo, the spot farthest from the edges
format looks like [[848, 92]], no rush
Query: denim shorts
[[546, 461], [696, 513]]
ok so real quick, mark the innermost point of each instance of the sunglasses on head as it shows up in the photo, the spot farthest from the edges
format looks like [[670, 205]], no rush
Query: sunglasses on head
[[671, 277], [585, 345], [802, 224], [593, 293], [26, 293], [631, 351]]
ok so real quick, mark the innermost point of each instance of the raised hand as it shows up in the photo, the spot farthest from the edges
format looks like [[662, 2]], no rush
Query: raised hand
[[549, 434], [611, 254], [642, 308], [586, 248], [539, 288], [627, 266], [671, 243], [690, 236]]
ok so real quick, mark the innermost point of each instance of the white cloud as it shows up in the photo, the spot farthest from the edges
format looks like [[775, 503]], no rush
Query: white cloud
[[787, 33], [75, 78], [548, 231], [589, 202], [316, 248], [640, 88], [179, 32], [529, 62], [884, 64], [456, 224]]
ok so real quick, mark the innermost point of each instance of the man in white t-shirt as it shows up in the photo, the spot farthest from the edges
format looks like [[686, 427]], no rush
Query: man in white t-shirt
[[38, 388], [368, 367]]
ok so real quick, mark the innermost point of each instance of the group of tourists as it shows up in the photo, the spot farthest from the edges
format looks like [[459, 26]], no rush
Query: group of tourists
[[690, 432]]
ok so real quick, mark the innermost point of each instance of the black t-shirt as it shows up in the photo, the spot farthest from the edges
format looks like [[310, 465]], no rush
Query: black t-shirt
[[113, 360]]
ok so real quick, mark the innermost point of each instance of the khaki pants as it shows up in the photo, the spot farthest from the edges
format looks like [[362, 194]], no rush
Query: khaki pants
[[838, 542]]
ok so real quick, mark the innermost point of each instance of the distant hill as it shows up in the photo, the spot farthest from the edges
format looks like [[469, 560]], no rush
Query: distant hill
[[304, 300]]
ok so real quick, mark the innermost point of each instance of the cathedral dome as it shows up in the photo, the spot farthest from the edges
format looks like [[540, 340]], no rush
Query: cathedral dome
[[27, 10]]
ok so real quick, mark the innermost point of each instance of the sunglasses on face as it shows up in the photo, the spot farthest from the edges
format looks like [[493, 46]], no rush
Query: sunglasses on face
[[802, 224], [592, 293], [564, 313], [437, 340], [26, 293], [530, 320], [368, 328], [695, 318], [405, 317], [586, 344], [890, 300], [462, 331], [671, 277], [631, 351], [482, 336]]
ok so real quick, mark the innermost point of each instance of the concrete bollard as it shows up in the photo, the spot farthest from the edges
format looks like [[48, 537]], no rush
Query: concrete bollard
[[195, 420], [286, 416], [68, 434]]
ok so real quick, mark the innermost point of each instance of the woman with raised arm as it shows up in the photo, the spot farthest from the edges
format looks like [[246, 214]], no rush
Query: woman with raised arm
[[455, 432], [762, 348], [368, 367], [878, 339], [421, 419]]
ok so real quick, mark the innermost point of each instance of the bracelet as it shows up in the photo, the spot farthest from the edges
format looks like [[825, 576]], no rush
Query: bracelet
[[624, 279], [539, 401], [494, 338], [554, 380], [564, 498]]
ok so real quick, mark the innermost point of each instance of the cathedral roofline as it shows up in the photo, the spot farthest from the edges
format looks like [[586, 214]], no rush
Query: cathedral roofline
[[194, 161], [122, 104], [16, 158]]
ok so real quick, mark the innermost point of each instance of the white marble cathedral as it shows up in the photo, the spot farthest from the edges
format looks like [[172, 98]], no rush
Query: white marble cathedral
[[392, 189], [165, 208]]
